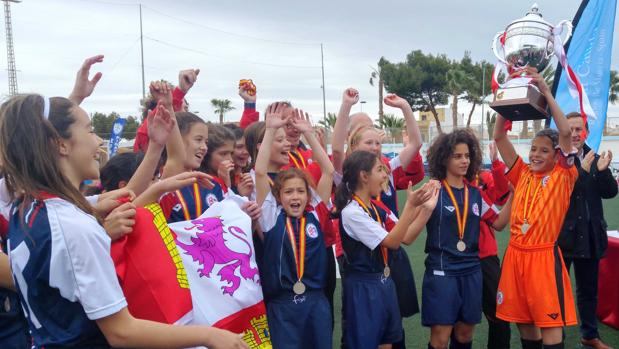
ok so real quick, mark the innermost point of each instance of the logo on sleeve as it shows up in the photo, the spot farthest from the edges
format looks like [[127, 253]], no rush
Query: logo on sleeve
[[311, 231], [450, 208], [177, 207], [211, 199], [499, 297], [476, 209]]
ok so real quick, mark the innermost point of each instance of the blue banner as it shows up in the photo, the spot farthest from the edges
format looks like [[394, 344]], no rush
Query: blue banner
[[589, 54], [117, 131]]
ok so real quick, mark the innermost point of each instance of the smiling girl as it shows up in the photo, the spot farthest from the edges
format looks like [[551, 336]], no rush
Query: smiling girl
[[294, 220]]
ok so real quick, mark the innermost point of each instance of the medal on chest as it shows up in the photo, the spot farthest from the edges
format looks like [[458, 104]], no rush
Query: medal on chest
[[461, 217]]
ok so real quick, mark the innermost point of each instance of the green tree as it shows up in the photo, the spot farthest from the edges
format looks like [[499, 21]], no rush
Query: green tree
[[102, 125], [457, 82], [390, 122], [329, 122], [222, 106], [421, 80], [476, 89]]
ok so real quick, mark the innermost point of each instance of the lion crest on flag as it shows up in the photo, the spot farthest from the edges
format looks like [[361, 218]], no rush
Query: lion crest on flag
[[209, 249]]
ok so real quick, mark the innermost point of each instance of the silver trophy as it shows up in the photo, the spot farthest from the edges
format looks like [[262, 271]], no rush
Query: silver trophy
[[528, 41]]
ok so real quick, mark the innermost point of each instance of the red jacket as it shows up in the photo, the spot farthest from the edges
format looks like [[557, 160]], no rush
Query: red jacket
[[495, 186], [250, 115], [141, 138]]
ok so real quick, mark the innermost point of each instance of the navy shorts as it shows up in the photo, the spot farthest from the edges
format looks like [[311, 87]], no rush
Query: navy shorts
[[372, 313], [298, 322], [450, 299]]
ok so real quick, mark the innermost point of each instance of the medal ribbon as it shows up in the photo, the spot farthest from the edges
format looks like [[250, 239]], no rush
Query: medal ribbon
[[461, 218], [196, 194], [299, 254], [383, 250], [297, 159], [527, 207]]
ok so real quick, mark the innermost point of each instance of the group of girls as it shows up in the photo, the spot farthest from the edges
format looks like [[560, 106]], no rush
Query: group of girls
[[301, 201]]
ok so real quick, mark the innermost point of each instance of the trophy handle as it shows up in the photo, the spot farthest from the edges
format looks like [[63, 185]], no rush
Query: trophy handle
[[568, 25], [496, 43]]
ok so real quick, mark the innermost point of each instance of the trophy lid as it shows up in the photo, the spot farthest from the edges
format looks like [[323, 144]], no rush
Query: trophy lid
[[533, 16]]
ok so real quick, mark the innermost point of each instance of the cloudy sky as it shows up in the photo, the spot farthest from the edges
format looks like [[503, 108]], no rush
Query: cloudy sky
[[275, 43]]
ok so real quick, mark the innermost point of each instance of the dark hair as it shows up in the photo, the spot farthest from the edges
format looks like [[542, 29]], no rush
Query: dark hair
[[291, 173], [552, 134], [218, 136], [120, 168], [186, 120], [253, 136], [236, 130], [29, 150], [575, 114], [357, 161], [442, 148]]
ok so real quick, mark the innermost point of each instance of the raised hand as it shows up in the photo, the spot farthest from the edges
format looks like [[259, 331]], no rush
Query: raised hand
[[223, 172], [162, 92], [275, 115], [301, 121], [184, 179], [120, 221], [604, 161], [246, 186], [252, 209], [350, 96], [83, 86], [419, 196], [435, 191], [492, 151], [247, 91], [536, 79], [160, 125], [186, 79], [395, 101], [587, 161]]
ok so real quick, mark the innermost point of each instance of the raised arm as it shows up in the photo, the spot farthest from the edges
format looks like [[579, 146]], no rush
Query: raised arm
[[503, 144], [84, 87], [175, 162], [565, 133], [414, 135], [414, 199], [340, 130], [160, 126], [274, 120], [302, 123]]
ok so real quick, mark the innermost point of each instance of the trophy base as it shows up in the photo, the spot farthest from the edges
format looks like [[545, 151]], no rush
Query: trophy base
[[520, 103]]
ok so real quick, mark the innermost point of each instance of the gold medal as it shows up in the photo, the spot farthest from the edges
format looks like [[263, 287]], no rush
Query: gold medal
[[298, 288], [383, 250], [299, 255], [461, 219]]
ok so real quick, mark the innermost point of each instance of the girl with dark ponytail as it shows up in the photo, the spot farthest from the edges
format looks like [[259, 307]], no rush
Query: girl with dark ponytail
[[370, 232]]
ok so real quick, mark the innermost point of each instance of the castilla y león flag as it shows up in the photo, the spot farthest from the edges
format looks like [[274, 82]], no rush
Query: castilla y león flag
[[218, 255]]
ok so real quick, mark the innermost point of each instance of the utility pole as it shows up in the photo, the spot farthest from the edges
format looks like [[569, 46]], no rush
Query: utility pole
[[10, 53], [142, 54], [324, 99], [483, 93]]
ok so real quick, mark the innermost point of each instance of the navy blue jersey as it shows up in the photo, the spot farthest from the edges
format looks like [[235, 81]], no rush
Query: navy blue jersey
[[190, 202], [65, 277], [442, 227], [362, 235], [278, 268]]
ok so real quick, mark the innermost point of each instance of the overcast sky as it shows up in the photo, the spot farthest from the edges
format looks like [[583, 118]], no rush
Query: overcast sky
[[275, 43]]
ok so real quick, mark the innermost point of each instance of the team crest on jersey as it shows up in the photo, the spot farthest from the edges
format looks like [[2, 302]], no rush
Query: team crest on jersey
[[450, 208], [499, 297], [211, 199], [545, 181], [476, 209], [177, 207], [311, 231]]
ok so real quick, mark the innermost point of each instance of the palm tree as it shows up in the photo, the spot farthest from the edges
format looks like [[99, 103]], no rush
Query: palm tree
[[390, 124], [457, 82], [373, 77], [328, 123], [222, 106]]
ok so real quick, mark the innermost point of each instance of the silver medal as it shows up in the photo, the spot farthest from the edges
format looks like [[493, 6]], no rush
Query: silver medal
[[298, 288], [387, 271], [525, 227], [461, 246]]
